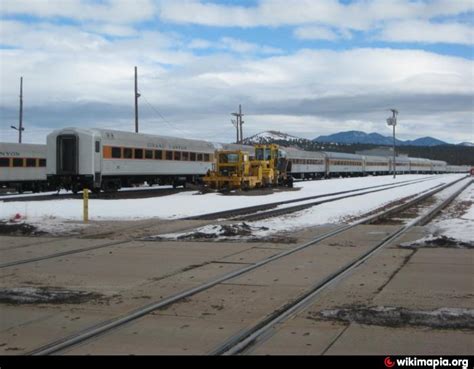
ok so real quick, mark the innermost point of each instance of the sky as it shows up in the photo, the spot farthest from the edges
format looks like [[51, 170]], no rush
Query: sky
[[303, 67]]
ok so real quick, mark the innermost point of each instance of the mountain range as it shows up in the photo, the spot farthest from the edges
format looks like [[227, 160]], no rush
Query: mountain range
[[352, 137], [349, 137]]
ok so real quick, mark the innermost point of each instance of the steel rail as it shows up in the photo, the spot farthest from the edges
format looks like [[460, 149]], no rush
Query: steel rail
[[249, 338], [106, 326]]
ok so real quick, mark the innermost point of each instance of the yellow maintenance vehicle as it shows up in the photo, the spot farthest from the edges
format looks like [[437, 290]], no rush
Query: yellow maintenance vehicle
[[234, 169]]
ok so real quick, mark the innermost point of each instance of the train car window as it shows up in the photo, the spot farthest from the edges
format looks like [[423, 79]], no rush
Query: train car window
[[207, 157], [177, 155], [199, 157], [127, 153], [116, 152], [169, 155], [42, 162], [148, 154], [186, 156], [158, 154], [17, 162], [138, 153], [192, 156], [97, 146], [30, 162], [4, 162]]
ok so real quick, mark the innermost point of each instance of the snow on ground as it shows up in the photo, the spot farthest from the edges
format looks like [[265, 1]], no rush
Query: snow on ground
[[458, 221], [53, 213], [15, 195], [331, 212]]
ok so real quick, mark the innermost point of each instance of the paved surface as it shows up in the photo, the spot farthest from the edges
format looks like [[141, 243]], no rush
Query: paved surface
[[131, 274], [425, 279]]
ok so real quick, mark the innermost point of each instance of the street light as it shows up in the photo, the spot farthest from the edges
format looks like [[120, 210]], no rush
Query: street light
[[19, 132], [392, 121]]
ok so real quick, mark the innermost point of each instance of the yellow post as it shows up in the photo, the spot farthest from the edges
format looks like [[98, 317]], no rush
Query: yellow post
[[86, 205]]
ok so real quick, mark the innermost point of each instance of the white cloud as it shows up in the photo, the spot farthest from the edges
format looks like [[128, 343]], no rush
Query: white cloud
[[397, 20], [76, 74], [115, 11], [234, 45], [360, 15], [423, 31], [318, 33]]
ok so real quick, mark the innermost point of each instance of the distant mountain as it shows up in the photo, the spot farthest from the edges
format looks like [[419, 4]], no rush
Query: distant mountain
[[462, 154], [351, 137], [358, 137], [269, 137], [425, 141]]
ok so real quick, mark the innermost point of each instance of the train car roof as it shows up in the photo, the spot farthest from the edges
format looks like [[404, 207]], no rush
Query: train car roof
[[138, 136], [22, 148], [294, 152], [376, 157], [342, 155], [420, 159]]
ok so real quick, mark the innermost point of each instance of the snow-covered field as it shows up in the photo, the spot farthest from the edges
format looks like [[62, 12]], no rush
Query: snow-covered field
[[50, 213], [458, 224], [331, 212]]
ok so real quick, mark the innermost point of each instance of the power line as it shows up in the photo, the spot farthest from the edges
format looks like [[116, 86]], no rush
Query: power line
[[161, 115]]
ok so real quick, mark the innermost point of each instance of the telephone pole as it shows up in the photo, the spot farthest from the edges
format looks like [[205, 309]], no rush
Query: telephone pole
[[20, 128], [137, 95], [238, 122]]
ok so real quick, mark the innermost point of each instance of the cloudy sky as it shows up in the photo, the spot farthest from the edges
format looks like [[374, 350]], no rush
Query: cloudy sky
[[305, 67]]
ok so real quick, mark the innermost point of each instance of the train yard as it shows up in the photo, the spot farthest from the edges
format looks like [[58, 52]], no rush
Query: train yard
[[336, 266]]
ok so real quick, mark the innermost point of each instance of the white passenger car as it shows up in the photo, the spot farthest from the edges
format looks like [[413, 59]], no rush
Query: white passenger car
[[305, 164], [376, 165], [342, 164], [23, 166], [108, 159]]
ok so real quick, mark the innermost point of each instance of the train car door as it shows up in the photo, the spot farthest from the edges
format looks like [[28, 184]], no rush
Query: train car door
[[97, 163]]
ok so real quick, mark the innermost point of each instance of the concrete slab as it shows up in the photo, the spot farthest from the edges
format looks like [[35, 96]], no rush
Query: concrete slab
[[39, 326], [302, 268], [251, 255], [374, 340], [421, 279], [364, 283], [209, 318], [115, 268], [7, 242], [48, 248], [30, 324], [300, 336], [161, 335], [433, 278], [239, 303]]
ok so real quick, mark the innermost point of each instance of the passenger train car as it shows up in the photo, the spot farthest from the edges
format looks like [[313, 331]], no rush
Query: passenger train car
[[109, 159], [23, 167], [305, 164]]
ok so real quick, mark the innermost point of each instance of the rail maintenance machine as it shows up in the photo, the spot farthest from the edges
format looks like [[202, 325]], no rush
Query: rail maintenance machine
[[235, 169]]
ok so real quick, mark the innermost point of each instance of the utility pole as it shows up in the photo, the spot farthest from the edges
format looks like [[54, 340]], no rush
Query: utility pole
[[238, 124], [241, 122], [392, 121], [20, 128], [137, 95]]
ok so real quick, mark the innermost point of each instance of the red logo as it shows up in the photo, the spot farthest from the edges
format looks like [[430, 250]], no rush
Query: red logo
[[388, 362]]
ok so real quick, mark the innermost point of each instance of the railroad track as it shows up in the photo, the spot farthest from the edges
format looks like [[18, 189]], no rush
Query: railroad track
[[253, 213], [254, 209], [250, 338], [242, 341], [129, 194]]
